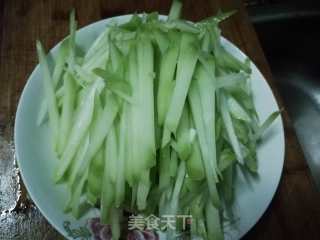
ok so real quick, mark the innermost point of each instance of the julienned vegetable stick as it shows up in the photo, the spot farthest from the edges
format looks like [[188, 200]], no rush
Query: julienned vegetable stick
[[186, 64], [49, 94], [83, 120]]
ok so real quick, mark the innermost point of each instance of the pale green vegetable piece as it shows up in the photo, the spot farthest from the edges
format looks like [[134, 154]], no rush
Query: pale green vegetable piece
[[111, 155], [166, 83], [123, 144], [194, 164], [175, 10], [72, 39], [119, 86], [49, 94], [266, 124], [110, 175], [60, 61], [161, 39], [81, 125], [100, 129], [142, 110], [95, 176], [78, 160], [143, 190], [68, 106], [214, 228], [115, 223], [164, 174], [99, 46], [236, 110], [230, 129], [208, 156], [188, 57], [231, 80]]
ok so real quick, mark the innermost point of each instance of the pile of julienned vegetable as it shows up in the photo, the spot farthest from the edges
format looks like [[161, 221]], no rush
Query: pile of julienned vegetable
[[153, 119]]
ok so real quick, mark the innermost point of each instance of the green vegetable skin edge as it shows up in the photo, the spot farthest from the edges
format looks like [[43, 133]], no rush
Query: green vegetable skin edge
[[141, 83]]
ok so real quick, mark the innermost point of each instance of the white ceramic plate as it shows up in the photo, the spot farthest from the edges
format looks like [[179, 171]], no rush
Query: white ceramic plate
[[37, 160]]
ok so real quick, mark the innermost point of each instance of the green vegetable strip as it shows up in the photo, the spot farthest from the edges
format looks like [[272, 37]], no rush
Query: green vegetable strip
[[166, 83], [196, 109], [185, 123], [266, 124], [161, 40], [116, 58], [133, 24], [227, 185], [227, 61], [206, 45], [123, 144], [115, 223], [94, 185], [134, 147], [184, 145], [98, 55], [145, 55], [110, 176], [164, 174], [227, 158], [56, 76], [60, 62], [175, 10], [43, 113], [231, 80], [173, 164], [99, 46], [107, 199], [100, 130], [134, 193], [78, 160], [190, 197], [111, 155], [183, 26], [236, 110], [230, 129], [99, 61], [74, 202], [177, 187], [194, 165], [187, 60], [115, 84], [201, 228], [77, 203], [206, 84], [196, 211], [185, 136], [68, 105], [49, 94], [143, 190], [214, 229], [72, 39], [174, 203], [84, 76], [81, 125], [220, 16], [143, 109]]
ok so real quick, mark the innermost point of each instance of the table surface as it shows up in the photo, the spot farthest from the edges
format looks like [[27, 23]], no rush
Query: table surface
[[295, 210]]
